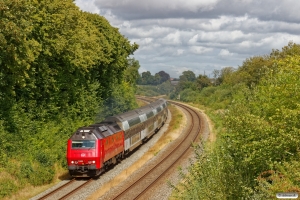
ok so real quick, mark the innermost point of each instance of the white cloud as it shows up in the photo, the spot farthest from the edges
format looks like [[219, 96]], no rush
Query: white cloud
[[199, 49], [88, 5], [225, 54], [179, 52], [193, 40], [172, 39], [191, 5], [180, 35]]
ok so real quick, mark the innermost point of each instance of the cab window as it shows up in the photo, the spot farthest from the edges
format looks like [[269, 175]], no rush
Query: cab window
[[82, 144]]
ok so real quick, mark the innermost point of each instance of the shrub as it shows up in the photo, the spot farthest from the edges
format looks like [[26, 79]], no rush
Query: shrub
[[7, 187]]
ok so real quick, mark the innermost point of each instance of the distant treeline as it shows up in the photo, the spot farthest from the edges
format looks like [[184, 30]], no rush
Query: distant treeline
[[146, 78]]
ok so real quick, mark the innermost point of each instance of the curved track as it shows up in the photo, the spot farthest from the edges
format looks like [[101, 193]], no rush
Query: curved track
[[137, 188]]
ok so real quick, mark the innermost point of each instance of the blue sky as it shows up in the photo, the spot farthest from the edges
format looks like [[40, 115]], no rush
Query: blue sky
[[201, 36]]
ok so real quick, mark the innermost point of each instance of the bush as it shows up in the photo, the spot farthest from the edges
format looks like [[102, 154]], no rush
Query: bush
[[7, 187], [41, 175], [213, 176]]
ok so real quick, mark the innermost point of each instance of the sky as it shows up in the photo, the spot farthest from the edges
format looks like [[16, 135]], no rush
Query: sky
[[200, 35]]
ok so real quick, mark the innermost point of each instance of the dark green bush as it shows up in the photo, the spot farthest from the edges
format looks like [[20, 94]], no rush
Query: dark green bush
[[26, 169], [41, 175]]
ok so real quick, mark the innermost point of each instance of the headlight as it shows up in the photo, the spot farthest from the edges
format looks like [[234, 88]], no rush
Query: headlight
[[72, 162], [94, 162]]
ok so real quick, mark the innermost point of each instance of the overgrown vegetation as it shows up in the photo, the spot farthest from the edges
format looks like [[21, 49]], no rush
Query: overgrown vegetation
[[60, 69], [256, 154]]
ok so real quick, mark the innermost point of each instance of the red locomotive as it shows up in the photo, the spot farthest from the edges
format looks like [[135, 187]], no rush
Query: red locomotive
[[92, 149]]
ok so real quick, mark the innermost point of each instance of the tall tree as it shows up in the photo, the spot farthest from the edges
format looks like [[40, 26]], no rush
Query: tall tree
[[163, 76], [186, 80], [203, 81], [187, 76], [132, 72]]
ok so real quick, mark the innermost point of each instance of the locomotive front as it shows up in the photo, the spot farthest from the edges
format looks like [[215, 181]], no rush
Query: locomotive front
[[83, 153]]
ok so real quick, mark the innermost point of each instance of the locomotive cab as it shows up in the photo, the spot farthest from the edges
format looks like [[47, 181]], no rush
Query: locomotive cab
[[82, 153], [92, 149]]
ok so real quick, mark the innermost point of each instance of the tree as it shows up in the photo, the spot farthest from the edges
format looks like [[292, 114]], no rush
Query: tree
[[263, 122], [186, 80], [203, 81], [132, 72], [187, 76], [113, 58], [163, 76], [146, 78]]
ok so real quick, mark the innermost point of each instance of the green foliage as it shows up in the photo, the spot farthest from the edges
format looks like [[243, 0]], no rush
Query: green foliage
[[41, 175], [203, 81], [163, 76], [285, 179], [147, 79], [257, 151], [8, 187], [147, 90], [214, 174], [58, 67], [187, 76], [217, 97], [121, 100], [166, 88], [26, 169], [132, 72], [269, 128]]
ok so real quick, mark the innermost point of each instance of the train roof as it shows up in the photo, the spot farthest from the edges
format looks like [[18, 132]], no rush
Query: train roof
[[110, 126], [99, 130], [136, 112]]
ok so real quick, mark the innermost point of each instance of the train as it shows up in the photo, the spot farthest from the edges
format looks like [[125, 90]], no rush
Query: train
[[92, 149]]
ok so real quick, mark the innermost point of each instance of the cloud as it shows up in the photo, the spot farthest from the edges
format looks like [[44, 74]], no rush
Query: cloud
[[88, 5], [225, 52], [265, 10], [135, 9], [200, 35], [199, 49]]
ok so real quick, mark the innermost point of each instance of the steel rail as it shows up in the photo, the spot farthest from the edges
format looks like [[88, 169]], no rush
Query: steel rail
[[57, 189], [53, 192], [75, 190]]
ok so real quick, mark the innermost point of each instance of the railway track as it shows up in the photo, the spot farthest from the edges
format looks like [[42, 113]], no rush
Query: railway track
[[138, 188], [67, 190]]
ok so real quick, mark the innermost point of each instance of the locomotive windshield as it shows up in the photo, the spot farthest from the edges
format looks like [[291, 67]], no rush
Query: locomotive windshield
[[81, 144]]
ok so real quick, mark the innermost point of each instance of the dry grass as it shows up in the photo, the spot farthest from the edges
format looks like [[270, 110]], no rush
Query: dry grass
[[30, 191], [141, 103]]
